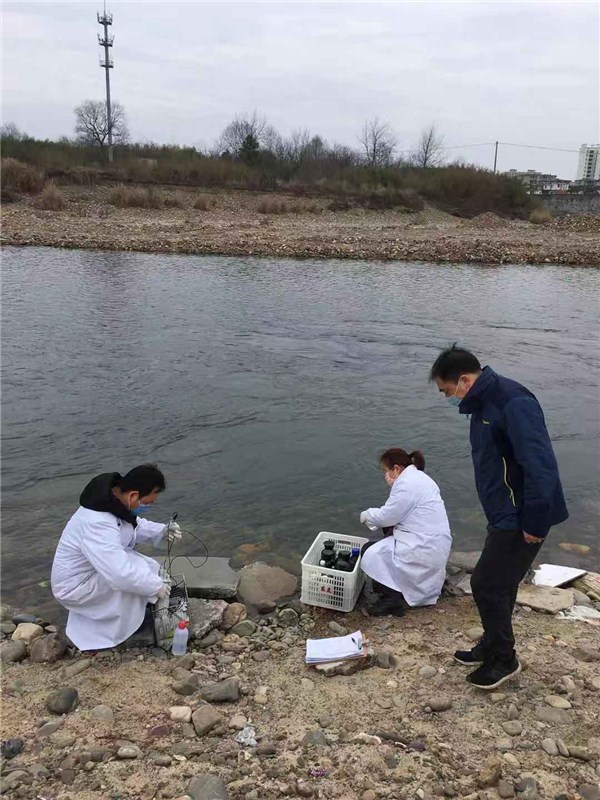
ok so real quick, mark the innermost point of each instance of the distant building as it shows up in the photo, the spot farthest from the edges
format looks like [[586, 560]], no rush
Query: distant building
[[588, 168], [540, 182]]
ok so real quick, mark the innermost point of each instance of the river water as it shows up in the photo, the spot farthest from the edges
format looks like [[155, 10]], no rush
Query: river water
[[265, 389]]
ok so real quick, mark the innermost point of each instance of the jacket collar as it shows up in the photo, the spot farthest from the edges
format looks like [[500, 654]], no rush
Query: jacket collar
[[480, 389]]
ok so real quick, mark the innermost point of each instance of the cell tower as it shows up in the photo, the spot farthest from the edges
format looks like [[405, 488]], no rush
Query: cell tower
[[106, 62]]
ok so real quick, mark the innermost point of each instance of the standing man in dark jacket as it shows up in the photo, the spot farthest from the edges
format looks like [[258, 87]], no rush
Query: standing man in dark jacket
[[519, 487]]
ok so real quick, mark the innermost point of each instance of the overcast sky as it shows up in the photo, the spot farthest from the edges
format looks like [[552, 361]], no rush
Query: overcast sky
[[522, 72]]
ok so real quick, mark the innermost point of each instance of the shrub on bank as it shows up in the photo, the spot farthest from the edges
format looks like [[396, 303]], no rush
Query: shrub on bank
[[20, 178], [176, 200], [273, 205], [129, 197], [539, 216], [51, 198], [204, 202]]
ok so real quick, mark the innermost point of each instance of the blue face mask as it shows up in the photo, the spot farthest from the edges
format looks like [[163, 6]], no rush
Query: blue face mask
[[454, 401], [141, 509]]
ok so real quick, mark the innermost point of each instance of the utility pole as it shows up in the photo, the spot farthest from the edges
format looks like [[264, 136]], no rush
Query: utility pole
[[495, 156], [106, 41]]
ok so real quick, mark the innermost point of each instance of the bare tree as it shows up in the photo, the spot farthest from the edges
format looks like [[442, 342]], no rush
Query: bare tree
[[234, 134], [378, 143], [91, 123], [430, 149], [10, 131]]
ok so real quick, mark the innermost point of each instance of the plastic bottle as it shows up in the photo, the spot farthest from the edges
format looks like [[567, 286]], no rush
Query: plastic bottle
[[180, 639], [354, 557]]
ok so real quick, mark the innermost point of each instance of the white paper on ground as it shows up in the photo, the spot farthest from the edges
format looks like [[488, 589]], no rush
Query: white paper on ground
[[336, 648], [554, 575], [581, 614]]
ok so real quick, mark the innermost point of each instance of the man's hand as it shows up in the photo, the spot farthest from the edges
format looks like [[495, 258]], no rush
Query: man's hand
[[532, 539], [164, 591], [173, 532]]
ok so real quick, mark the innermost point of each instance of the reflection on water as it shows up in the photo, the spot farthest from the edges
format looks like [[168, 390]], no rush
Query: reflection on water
[[266, 388]]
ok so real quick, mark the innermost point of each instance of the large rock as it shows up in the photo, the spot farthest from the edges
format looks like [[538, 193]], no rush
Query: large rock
[[13, 651], [227, 691], [210, 578], [205, 718], [262, 585], [465, 559], [207, 787], [204, 616], [48, 649], [27, 631], [545, 598], [587, 652]]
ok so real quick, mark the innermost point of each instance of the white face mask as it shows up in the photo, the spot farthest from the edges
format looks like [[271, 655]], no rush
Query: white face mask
[[389, 480]]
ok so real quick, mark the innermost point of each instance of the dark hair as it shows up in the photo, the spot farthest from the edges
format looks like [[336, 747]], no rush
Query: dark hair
[[397, 456], [143, 479], [452, 363]]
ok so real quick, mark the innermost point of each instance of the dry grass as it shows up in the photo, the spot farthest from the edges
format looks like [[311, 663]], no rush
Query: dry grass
[[204, 202], [271, 205], [176, 200], [20, 178], [128, 197], [539, 216], [76, 176], [51, 198]]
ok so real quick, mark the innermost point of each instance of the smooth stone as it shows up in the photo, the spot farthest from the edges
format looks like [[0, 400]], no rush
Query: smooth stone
[[18, 619], [439, 703], [386, 660], [227, 691], [580, 753], [26, 632], [14, 779], [38, 772], [512, 760], [513, 727], [205, 615], [497, 697], [338, 629], [315, 738], [71, 670], [266, 749], [544, 598], [288, 617], [244, 628], [103, 713], [556, 701], [180, 713], [210, 639], [503, 745], [475, 634], [562, 748], [238, 722], [162, 759], [207, 787], [47, 649], [8, 628], [552, 716], [210, 578], [186, 686], [550, 747], [129, 751], [428, 672], [587, 653], [205, 718], [490, 773], [48, 728], [186, 662], [234, 613], [11, 748], [505, 789], [62, 701], [63, 739], [513, 712], [262, 585], [582, 599], [11, 652]]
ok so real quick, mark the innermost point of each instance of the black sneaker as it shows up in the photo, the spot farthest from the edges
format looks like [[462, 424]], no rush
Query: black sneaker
[[388, 604], [494, 673], [471, 658]]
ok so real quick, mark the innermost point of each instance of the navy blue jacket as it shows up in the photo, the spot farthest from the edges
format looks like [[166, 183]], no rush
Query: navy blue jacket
[[516, 473]]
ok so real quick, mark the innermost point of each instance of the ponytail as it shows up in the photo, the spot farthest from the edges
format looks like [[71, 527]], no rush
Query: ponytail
[[397, 456]]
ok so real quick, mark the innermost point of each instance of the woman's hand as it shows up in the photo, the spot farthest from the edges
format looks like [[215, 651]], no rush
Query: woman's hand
[[363, 517]]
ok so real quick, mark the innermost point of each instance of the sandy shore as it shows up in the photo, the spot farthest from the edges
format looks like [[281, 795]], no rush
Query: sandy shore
[[234, 226], [536, 737]]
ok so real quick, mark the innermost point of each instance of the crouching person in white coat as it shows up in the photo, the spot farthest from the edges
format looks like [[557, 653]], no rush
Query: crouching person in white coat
[[407, 566], [96, 574]]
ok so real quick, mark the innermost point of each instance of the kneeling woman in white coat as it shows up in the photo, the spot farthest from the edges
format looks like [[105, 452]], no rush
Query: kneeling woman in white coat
[[97, 575], [408, 566]]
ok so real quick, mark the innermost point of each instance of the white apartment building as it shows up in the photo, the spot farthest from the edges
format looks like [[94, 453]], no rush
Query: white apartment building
[[588, 168]]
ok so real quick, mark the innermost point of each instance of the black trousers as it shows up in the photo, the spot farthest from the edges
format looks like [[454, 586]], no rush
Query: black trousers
[[379, 588], [503, 564]]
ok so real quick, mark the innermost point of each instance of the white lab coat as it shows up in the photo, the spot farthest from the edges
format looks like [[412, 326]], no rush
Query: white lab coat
[[102, 581], [412, 560]]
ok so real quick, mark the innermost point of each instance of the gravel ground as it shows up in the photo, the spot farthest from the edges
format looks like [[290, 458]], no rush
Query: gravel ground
[[234, 226]]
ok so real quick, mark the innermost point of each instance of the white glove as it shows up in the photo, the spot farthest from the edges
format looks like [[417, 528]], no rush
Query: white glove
[[173, 532], [164, 591], [363, 517]]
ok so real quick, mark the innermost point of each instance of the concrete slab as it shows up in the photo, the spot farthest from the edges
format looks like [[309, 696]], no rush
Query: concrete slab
[[545, 598], [212, 579]]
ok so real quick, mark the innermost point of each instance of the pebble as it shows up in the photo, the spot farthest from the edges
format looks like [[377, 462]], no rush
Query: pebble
[[8, 628], [504, 744], [513, 712], [307, 684], [527, 788], [46, 728], [11, 748], [386, 660], [227, 691], [326, 721], [260, 696], [21, 618], [490, 773], [63, 739], [288, 617], [427, 672], [261, 655], [513, 727], [187, 686], [266, 749], [26, 631], [369, 795], [103, 713], [475, 634], [580, 753], [512, 760], [439, 703], [205, 718], [77, 668], [12, 651], [315, 738], [304, 789], [497, 697], [234, 613], [162, 759], [338, 629], [586, 653], [556, 701], [562, 748], [129, 751], [244, 628], [238, 722], [62, 701], [180, 713], [589, 791], [505, 789], [550, 747]]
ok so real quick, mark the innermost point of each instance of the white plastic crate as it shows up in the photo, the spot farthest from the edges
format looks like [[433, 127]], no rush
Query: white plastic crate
[[331, 588]]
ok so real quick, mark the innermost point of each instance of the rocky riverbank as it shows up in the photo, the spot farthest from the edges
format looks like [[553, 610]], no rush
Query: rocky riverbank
[[233, 223], [240, 717]]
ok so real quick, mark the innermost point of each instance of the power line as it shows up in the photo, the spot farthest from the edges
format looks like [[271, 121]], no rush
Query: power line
[[539, 147]]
